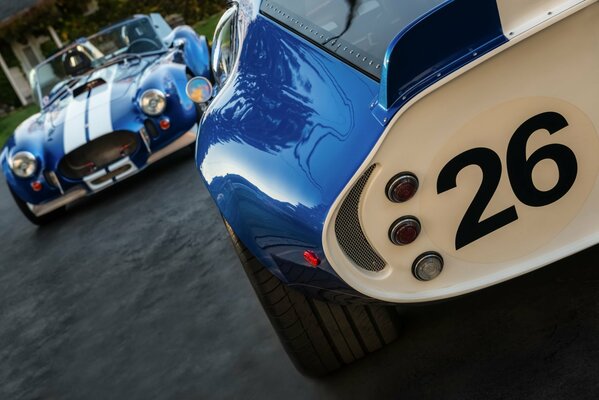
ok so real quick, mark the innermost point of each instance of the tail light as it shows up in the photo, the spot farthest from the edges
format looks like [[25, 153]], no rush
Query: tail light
[[402, 187], [404, 231], [428, 266]]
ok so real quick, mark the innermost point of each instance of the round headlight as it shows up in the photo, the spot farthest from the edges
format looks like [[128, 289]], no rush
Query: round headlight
[[152, 102], [23, 164]]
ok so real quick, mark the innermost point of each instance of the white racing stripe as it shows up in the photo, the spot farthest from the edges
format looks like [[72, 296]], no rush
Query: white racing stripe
[[74, 124], [100, 116]]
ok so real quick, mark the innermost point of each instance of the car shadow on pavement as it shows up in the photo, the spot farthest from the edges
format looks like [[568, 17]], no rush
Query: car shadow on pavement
[[536, 336], [136, 293], [127, 186]]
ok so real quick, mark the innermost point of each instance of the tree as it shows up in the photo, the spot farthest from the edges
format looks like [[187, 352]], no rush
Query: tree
[[69, 19]]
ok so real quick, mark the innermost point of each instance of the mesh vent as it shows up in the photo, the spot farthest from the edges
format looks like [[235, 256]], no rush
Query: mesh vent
[[349, 232]]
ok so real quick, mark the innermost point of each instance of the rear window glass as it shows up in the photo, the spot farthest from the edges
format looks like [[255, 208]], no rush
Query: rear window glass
[[358, 31]]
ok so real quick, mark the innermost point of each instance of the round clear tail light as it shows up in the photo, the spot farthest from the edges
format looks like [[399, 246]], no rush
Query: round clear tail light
[[402, 187], [404, 231], [428, 266]]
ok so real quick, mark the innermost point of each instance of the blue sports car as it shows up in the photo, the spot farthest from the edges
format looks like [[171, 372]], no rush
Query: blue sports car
[[111, 104], [367, 153]]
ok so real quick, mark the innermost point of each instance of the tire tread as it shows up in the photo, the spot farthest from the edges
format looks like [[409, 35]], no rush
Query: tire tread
[[319, 336]]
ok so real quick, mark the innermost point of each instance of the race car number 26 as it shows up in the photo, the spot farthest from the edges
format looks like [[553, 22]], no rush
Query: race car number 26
[[520, 174]]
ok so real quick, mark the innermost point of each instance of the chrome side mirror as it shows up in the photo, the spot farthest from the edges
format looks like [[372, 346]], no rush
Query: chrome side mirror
[[199, 90]]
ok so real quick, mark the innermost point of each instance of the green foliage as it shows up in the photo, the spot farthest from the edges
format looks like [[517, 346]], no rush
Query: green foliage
[[66, 16], [9, 123], [36, 20], [8, 55], [7, 94], [207, 26], [48, 48]]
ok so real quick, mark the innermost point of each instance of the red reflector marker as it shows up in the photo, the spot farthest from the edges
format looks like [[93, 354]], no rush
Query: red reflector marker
[[36, 186], [404, 231], [312, 258], [165, 124]]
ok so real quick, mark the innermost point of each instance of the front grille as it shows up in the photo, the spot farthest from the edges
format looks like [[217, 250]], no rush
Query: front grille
[[349, 233], [98, 154], [108, 177]]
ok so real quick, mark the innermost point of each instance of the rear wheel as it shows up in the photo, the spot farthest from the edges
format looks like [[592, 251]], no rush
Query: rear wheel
[[319, 336], [42, 220]]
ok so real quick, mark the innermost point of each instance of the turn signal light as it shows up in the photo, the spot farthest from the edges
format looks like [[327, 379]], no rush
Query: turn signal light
[[36, 186], [165, 124], [428, 266], [402, 187], [404, 231]]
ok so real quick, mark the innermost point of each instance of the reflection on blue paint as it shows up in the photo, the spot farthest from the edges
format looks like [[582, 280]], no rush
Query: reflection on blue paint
[[281, 141]]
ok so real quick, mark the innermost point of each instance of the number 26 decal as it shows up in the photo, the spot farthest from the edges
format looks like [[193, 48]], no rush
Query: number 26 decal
[[519, 170]]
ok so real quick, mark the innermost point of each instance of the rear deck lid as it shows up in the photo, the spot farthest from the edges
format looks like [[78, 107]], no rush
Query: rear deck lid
[[357, 31]]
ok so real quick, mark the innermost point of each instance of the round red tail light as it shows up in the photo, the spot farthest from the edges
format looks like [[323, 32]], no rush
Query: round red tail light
[[404, 231], [402, 187]]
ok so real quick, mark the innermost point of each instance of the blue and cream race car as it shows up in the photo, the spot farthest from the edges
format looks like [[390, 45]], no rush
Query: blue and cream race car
[[111, 104], [367, 153]]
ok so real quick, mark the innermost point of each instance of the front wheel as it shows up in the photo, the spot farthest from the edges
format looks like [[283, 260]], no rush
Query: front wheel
[[319, 336], [42, 220]]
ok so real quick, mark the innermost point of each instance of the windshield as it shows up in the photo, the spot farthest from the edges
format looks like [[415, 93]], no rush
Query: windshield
[[135, 36], [359, 31]]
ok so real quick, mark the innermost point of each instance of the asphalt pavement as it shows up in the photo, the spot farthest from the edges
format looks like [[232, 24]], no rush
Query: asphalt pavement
[[137, 294]]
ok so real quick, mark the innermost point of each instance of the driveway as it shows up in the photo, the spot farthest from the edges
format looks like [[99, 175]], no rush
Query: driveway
[[137, 294]]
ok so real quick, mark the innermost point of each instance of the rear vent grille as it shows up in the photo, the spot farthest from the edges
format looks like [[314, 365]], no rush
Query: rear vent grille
[[349, 232]]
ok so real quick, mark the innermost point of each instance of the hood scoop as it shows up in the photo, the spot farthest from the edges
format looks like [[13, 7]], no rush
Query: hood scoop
[[88, 86]]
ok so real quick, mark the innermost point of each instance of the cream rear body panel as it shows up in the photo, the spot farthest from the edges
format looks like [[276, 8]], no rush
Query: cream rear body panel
[[553, 71]]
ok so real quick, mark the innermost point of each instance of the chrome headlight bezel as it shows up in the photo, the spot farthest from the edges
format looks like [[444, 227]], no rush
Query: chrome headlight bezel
[[152, 102], [225, 46], [23, 164]]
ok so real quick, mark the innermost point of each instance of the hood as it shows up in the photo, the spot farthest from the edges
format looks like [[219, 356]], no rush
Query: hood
[[89, 112]]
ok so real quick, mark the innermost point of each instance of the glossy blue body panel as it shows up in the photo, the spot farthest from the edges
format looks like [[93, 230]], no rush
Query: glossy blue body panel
[[293, 124], [281, 141], [167, 71]]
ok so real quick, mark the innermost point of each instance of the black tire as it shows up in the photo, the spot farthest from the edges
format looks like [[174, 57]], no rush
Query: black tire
[[44, 219], [319, 336]]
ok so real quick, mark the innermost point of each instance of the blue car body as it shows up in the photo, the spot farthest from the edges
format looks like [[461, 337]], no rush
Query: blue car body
[[110, 106], [296, 124]]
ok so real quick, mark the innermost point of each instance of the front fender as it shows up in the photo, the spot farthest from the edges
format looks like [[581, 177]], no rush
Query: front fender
[[29, 136], [196, 53], [280, 142], [171, 78]]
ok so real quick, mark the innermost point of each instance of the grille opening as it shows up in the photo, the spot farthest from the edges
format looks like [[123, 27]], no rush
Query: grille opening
[[348, 230], [111, 175], [98, 154], [151, 128]]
